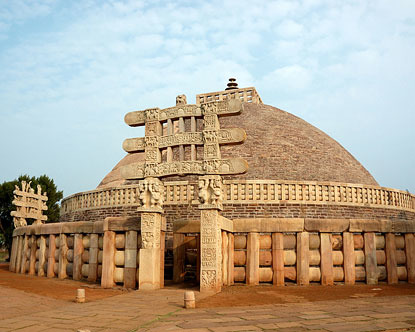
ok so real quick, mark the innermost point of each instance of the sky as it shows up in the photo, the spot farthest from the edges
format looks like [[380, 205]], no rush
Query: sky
[[71, 70]]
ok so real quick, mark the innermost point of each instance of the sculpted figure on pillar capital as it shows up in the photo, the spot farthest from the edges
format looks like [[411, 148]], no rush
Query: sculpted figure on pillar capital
[[151, 194], [210, 192]]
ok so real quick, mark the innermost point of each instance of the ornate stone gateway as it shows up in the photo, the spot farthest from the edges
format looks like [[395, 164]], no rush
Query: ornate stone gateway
[[29, 205], [181, 140]]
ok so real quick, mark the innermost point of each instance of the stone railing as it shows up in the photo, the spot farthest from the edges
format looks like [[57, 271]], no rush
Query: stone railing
[[178, 192], [269, 191], [246, 95], [252, 191]]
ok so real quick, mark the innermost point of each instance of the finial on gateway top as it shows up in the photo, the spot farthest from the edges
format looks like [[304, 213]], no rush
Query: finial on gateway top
[[232, 84]]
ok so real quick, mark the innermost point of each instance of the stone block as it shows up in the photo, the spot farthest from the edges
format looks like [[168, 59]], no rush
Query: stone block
[[370, 225], [268, 225], [119, 224], [149, 272], [326, 225]]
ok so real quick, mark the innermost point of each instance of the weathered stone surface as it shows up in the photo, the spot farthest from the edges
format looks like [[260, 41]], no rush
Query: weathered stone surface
[[77, 259], [211, 253], [178, 257], [410, 257], [210, 192], [149, 271], [225, 258], [303, 246], [151, 195], [231, 253], [278, 259], [369, 225], [186, 226], [149, 274], [326, 253], [349, 259], [117, 224], [93, 258], [252, 259], [370, 259], [108, 262], [225, 224], [326, 225], [63, 261], [42, 256], [217, 166], [225, 136], [391, 264], [403, 226], [268, 225]]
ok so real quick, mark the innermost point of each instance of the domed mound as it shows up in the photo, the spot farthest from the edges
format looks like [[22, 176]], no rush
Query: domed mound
[[279, 146]]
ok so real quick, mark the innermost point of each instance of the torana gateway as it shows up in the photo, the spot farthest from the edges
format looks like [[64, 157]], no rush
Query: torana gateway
[[227, 190]]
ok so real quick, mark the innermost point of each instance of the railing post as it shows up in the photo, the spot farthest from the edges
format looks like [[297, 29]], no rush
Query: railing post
[[108, 262], [303, 265], [93, 257], [370, 259], [51, 256]]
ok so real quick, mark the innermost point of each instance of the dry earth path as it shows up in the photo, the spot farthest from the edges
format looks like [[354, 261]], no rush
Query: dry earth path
[[365, 310]]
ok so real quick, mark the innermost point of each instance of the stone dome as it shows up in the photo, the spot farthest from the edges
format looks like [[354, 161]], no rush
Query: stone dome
[[279, 146]]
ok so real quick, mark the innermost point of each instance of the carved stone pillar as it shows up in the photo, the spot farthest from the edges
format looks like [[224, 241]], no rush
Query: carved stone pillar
[[149, 271], [210, 195], [151, 200], [211, 256]]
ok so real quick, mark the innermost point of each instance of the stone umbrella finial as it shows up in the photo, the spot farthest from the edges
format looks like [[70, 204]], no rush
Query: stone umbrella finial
[[232, 84]]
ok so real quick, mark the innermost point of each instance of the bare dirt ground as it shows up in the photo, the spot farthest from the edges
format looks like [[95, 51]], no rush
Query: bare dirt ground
[[53, 287], [268, 294], [238, 295]]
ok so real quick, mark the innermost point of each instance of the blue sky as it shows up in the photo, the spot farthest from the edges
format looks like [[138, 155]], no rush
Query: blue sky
[[70, 70]]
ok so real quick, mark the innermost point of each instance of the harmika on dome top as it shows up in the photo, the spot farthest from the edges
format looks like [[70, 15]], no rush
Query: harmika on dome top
[[279, 146]]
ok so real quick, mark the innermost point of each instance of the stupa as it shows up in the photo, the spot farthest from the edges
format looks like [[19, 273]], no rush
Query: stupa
[[243, 192]]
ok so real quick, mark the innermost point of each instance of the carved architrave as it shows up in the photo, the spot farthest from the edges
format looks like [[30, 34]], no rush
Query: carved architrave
[[227, 107], [210, 136], [152, 114], [224, 107], [138, 118], [151, 141], [214, 166], [223, 136]]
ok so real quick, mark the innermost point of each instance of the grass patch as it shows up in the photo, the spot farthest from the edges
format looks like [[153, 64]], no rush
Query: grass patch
[[3, 256], [159, 318]]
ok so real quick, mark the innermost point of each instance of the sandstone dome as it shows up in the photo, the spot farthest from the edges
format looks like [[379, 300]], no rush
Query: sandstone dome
[[279, 146]]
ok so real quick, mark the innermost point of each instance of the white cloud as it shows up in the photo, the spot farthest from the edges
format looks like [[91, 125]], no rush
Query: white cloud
[[329, 62], [290, 79], [289, 29]]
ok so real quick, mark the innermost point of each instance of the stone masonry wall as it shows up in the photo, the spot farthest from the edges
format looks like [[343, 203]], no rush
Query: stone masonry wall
[[234, 211]]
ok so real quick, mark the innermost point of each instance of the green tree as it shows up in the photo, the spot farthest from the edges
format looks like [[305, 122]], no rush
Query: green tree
[[6, 205]]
